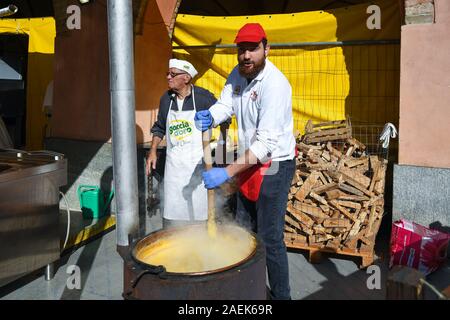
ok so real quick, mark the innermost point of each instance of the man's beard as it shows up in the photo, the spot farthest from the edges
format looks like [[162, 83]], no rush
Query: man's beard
[[254, 72]]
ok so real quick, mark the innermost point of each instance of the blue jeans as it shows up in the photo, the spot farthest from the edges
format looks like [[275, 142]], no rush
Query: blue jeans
[[266, 218]]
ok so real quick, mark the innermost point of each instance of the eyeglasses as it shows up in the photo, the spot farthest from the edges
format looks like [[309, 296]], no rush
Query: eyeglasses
[[173, 74]]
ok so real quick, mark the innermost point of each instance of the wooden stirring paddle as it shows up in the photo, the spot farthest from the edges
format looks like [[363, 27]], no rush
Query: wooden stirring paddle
[[212, 227]]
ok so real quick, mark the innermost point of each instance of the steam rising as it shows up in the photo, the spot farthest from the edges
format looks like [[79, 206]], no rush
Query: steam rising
[[191, 250]]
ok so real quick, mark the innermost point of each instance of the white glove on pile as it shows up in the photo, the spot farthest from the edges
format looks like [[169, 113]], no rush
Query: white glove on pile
[[389, 131]]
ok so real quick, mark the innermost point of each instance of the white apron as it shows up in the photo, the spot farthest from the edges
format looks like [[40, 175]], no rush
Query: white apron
[[185, 195]]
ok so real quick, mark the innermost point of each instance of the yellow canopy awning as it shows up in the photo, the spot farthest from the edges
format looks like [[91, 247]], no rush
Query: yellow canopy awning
[[328, 81]]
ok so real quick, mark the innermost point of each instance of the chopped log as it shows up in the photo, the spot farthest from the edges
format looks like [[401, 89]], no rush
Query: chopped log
[[340, 164], [362, 169], [322, 178], [350, 189], [293, 190], [327, 177], [350, 197], [319, 166], [356, 184], [357, 162], [295, 178], [350, 151], [325, 188], [334, 160], [289, 229], [325, 208], [351, 241], [379, 185], [365, 240], [302, 173], [333, 194], [349, 204], [317, 184], [336, 223], [309, 209], [362, 179], [292, 222], [319, 229], [320, 199], [342, 210], [338, 231], [375, 164], [333, 151], [356, 143], [372, 217], [300, 216], [320, 238], [376, 200], [306, 147], [356, 226], [326, 156], [335, 214], [307, 186]]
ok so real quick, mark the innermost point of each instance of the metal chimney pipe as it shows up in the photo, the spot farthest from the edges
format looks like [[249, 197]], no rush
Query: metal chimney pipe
[[8, 11], [121, 62]]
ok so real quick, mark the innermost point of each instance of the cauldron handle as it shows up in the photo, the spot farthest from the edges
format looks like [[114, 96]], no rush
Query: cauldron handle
[[160, 271]]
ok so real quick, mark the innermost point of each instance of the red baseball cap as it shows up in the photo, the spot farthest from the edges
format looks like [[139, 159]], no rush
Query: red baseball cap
[[250, 32]]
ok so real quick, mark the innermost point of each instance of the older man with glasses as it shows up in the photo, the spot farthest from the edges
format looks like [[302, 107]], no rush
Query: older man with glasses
[[185, 196]]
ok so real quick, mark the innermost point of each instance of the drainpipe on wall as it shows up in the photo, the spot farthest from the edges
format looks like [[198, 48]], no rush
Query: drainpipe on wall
[[123, 126]]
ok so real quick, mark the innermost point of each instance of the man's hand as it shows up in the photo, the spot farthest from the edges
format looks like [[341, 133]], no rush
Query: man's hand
[[203, 120], [151, 162], [215, 177]]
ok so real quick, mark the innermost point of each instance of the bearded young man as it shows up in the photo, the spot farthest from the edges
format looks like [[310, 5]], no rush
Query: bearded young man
[[260, 97]]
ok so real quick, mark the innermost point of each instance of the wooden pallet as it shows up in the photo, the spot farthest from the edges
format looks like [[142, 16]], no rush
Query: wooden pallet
[[365, 251], [327, 131]]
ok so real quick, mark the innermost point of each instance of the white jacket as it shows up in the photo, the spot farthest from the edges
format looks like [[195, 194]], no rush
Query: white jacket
[[263, 112]]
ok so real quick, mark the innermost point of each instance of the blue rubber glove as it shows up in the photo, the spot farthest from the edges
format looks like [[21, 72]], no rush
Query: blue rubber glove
[[215, 177], [203, 120]]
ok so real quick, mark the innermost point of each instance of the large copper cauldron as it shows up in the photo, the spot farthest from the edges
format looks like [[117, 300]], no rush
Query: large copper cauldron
[[185, 263]]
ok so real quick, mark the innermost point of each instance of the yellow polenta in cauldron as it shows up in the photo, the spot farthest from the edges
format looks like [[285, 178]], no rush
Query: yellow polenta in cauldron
[[192, 250]]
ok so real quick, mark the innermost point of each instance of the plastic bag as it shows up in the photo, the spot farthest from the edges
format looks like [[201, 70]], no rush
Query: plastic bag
[[417, 247]]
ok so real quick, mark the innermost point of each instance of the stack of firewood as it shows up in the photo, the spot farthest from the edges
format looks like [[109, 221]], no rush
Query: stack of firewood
[[336, 197]]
